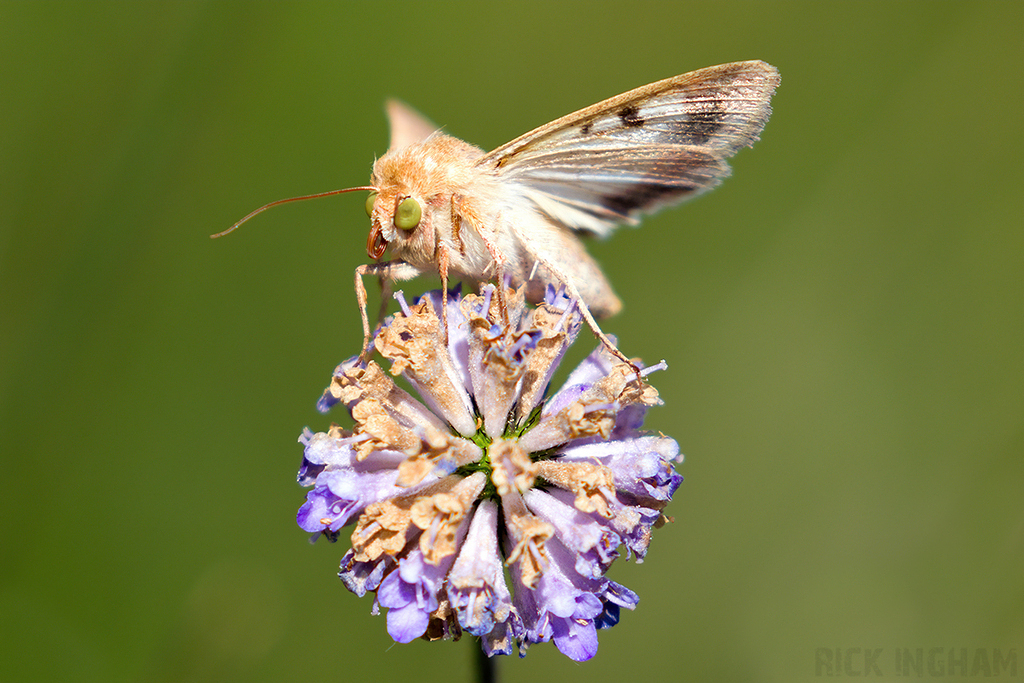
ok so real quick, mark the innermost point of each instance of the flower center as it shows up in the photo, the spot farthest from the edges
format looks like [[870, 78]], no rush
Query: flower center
[[505, 464]]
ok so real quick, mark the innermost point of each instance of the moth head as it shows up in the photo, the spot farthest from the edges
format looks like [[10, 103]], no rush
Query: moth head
[[414, 186], [395, 217]]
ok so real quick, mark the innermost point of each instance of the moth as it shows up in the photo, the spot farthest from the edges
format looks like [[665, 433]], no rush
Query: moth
[[513, 215]]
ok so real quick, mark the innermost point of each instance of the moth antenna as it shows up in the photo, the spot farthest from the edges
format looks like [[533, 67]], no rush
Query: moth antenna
[[293, 199]]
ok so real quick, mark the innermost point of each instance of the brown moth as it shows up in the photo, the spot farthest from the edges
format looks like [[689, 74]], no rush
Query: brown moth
[[442, 205]]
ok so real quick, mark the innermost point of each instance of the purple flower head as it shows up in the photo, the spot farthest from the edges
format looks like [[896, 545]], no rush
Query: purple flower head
[[484, 505]]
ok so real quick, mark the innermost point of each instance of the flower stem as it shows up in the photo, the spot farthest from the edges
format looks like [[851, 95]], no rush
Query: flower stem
[[486, 667]]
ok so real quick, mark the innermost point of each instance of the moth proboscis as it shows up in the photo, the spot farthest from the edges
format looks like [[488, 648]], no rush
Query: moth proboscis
[[511, 215]]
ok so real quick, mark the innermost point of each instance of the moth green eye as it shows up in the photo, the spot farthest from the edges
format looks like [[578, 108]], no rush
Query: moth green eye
[[407, 215], [370, 199]]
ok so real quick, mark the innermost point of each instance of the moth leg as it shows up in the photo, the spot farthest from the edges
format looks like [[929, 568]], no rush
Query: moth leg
[[465, 212], [585, 310], [361, 300], [387, 272], [499, 275], [443, 261], [385, 294], [570, 287]]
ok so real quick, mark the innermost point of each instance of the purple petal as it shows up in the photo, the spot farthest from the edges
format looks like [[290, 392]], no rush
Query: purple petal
[[360, 577], [341, 494], [591, 541], [476, 583]]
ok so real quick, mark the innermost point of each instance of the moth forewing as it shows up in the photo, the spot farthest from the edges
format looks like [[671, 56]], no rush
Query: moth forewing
[[680, 108], [639, 151]]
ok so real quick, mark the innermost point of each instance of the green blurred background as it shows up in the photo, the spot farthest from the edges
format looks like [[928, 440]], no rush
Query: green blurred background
[[843, 318]]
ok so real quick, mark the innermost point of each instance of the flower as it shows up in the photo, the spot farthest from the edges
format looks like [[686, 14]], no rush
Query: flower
[[484, 474]]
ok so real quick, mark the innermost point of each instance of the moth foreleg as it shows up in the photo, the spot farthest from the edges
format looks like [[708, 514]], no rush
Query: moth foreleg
[[387, 272]]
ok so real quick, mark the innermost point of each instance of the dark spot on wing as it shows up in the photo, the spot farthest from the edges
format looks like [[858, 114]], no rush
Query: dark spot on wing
[[631, 116], [585, 128], [642, 195], [701, 126]]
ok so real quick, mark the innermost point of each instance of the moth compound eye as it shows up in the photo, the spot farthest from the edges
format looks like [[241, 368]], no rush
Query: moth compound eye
[[407, 215], [370, 199]]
